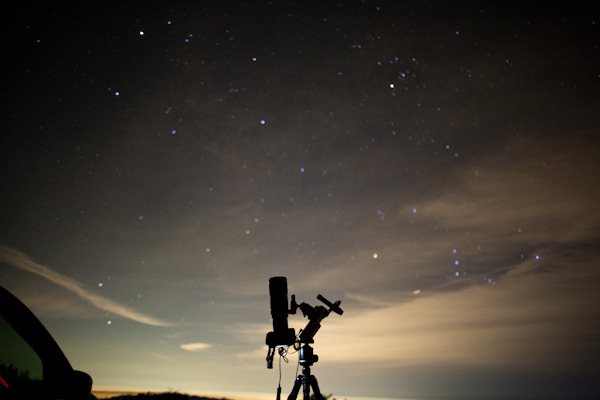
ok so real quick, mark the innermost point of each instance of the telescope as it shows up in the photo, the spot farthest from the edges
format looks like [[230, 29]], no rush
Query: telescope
[[283, 336]]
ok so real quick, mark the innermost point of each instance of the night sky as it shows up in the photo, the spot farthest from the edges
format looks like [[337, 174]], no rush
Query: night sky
[[433, 165]]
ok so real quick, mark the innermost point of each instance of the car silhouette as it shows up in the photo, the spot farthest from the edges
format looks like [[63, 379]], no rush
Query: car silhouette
[[32, 365]]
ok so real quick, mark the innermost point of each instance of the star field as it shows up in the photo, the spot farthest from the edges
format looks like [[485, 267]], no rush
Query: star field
[[431, 165]]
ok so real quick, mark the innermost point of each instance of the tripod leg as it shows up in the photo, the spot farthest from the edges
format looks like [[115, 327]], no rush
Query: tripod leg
[[294, 393], [306, 386], [315, 387]]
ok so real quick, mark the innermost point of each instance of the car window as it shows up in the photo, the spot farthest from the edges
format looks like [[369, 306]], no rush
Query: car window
[[19, 363]]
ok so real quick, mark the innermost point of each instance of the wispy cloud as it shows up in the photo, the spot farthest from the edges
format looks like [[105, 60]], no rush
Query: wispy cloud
[[519, 323], [196, 346], [24, 262]]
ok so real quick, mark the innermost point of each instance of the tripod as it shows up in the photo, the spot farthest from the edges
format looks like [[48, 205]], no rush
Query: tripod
[[307, 358]]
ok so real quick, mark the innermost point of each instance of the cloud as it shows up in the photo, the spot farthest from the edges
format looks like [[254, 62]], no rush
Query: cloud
[[544, 192], [537, 316], [196, 346], [22, 261]]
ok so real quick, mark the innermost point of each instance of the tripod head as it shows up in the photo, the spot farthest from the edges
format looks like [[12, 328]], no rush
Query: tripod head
[[282, 336]]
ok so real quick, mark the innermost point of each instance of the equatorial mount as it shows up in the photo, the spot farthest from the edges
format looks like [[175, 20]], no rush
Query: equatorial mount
[[315, 316]]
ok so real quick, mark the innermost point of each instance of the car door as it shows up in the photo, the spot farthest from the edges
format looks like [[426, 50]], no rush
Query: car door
[[32, 365]]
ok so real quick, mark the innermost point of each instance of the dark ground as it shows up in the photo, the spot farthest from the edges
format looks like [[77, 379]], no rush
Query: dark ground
[[162, 396]]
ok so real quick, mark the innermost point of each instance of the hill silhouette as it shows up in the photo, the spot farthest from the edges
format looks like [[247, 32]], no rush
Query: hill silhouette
[[162, 396]]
